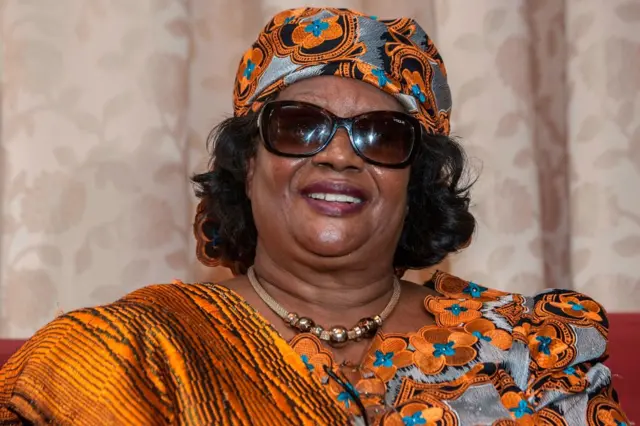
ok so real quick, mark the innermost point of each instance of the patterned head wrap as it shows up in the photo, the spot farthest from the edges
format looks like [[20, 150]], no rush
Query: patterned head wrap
[[395, 55]]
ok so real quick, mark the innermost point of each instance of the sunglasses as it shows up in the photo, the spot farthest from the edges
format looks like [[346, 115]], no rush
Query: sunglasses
[[299, 129]]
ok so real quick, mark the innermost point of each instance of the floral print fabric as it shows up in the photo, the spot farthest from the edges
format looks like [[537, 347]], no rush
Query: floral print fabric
[[492, 358]]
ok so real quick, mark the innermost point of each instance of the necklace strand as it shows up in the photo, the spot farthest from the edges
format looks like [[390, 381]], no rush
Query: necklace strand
[[337, 335]]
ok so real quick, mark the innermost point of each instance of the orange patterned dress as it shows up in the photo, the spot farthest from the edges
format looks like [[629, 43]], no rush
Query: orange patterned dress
[[194, 354]]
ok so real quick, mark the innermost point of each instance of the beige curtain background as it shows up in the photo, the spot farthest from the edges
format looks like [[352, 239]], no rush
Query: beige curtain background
[[106, 105]]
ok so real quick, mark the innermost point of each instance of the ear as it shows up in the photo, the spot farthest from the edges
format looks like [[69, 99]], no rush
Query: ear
[[251, 167]]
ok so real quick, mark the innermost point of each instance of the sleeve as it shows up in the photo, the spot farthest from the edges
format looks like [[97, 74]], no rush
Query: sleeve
[[568, 383], [87, 367]]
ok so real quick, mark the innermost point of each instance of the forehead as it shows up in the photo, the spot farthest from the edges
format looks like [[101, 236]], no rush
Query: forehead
[[344, 97]]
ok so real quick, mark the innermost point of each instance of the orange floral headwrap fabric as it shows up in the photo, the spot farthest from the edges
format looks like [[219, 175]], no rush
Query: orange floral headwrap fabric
[[394, 55]]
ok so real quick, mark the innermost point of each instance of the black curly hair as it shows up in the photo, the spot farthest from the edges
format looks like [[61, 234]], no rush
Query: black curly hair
[[438, 221]]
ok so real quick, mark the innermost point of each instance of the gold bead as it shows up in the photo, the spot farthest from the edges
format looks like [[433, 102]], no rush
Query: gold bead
[[368, 326], [292, 319], [304, 324], [378, 320], [338, 336], [358, 332]]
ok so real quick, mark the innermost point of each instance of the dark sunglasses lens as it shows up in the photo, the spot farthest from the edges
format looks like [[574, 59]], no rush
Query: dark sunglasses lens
[[385, 137], [296, 129]]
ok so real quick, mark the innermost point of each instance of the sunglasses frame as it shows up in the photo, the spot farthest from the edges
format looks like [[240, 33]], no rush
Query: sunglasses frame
[[337, 122]]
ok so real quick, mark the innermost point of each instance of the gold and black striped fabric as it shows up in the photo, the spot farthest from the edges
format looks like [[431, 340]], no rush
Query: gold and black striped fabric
[[166, 354]]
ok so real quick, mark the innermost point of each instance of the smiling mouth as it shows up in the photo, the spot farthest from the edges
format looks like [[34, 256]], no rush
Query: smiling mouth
[[334, 198]]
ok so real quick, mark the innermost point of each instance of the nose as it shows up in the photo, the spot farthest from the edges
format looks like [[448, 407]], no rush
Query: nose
[[339, 154]]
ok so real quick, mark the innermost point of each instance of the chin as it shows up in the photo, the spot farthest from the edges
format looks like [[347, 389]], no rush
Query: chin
[[332, 241]]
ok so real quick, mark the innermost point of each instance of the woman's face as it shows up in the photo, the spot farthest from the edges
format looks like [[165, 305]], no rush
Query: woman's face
[[284, 191]]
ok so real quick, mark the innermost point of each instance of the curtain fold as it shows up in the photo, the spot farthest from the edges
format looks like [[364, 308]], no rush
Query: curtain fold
[[107, 104]]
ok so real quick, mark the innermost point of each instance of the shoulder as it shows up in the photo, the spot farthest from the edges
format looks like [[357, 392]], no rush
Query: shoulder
[[551, 331], [135, 312], [121, 327], [552, 341], [512, 311], [134, 315], [177, 298], [88, 353]]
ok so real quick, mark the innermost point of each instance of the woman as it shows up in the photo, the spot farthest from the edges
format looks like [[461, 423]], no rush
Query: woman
[[335, 175]]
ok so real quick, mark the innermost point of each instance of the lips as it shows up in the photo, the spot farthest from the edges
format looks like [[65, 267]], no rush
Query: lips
[[334, 198]]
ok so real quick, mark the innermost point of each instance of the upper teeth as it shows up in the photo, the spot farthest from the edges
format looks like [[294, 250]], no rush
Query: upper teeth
[[340, 198]]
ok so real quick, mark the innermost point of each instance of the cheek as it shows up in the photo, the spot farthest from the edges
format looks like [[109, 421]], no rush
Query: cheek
[[393, 186], [272, 177]]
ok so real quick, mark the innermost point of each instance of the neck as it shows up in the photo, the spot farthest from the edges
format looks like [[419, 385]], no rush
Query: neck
[[328, 297]]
